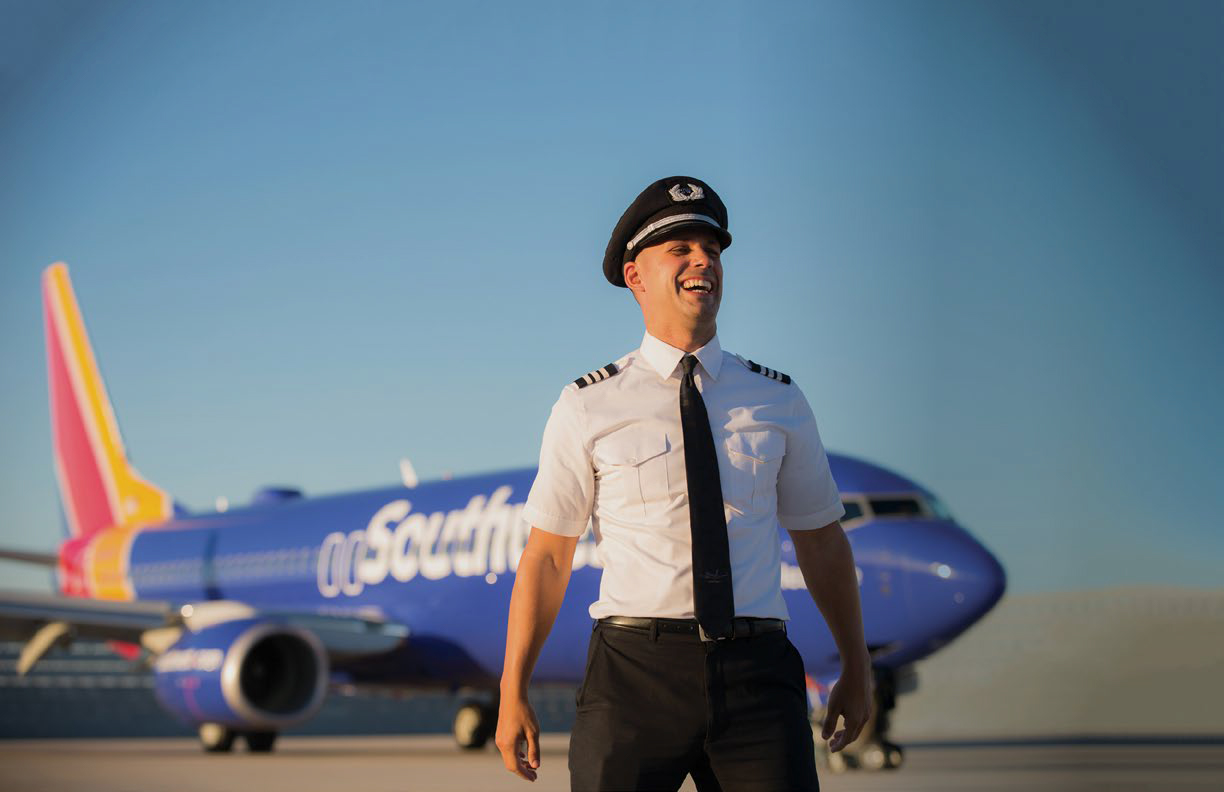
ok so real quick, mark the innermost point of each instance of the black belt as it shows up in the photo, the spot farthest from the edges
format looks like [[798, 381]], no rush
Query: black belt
[[741, 626]]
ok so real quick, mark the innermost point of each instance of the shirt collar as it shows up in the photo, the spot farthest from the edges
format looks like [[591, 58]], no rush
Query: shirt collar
[[665, 358]]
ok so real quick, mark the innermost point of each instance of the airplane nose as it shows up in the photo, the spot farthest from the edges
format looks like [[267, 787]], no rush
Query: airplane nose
[[954, 574], [946, 578]]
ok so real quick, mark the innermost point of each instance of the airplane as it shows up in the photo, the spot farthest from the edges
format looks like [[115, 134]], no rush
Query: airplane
[[248, 616]]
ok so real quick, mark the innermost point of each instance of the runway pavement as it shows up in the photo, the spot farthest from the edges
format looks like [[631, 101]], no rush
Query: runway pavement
[[401, 764]]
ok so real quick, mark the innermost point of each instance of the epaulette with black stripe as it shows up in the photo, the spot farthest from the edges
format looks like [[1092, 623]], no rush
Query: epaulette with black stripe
[[771, 373], [598, 375]]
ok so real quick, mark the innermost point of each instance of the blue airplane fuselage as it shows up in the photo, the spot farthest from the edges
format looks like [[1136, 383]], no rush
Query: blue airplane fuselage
[[440, 559]]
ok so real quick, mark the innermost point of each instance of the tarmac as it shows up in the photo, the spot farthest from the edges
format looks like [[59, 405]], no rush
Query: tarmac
[[402, 764]]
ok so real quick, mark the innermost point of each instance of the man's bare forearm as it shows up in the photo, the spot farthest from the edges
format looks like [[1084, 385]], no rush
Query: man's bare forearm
[[827, 563], [539, 589]]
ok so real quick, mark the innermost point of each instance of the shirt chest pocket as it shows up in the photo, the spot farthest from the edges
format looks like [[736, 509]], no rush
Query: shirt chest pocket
[[752, 475], [632, 469]]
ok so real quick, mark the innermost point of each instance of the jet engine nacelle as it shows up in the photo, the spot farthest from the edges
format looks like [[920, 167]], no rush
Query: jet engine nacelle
[[249, 674]]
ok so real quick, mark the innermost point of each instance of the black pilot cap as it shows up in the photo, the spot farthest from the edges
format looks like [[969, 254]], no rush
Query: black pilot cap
[[663, 208]]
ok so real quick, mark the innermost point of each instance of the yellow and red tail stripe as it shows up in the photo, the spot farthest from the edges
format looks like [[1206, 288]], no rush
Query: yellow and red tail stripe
[[103, 496]]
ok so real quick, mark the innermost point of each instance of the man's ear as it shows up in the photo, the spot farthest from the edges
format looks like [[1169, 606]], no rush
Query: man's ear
[[633, 278]]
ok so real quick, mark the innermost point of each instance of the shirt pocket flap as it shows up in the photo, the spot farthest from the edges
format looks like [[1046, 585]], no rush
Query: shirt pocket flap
[[632, 448], [761, 446]]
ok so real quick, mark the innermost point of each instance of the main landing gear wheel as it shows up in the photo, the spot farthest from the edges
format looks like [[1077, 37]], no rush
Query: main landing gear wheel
[[260, 741], [216, 738], [474, 724]]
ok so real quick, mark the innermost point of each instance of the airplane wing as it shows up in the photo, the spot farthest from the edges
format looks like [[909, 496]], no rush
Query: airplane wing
[[29, 557], [41, 621], [24, 613]]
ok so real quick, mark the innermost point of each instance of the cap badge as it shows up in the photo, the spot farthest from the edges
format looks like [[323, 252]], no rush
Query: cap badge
[[690, 192]]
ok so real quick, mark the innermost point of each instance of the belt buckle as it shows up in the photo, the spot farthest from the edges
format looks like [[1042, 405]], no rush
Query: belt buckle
[[707, 638]]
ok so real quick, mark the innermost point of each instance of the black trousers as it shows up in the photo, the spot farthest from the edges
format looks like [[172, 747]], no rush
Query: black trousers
[[654, 708]]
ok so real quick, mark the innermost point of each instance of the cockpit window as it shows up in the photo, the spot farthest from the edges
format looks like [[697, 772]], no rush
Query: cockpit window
[[862, 508], [938, 508], [853, 510], [896, 507]]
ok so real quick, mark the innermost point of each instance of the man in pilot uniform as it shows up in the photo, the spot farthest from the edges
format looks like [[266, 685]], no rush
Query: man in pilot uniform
[[684, 458]]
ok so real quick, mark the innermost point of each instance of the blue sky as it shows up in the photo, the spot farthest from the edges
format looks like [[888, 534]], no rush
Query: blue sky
[[311, 238]]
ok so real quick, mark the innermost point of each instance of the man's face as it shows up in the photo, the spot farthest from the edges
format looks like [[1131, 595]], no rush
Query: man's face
[[679, 281]]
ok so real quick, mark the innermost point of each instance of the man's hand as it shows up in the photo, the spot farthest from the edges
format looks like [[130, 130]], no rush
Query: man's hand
[[517, 728], [850, 699]]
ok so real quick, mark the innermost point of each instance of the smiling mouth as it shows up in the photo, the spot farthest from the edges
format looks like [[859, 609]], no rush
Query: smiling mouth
[[700, 285]]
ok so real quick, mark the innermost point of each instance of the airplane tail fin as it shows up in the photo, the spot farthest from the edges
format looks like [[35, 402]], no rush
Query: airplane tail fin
[[99, 489]]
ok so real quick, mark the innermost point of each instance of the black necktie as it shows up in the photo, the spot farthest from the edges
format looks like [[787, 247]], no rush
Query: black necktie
[[712, 595]]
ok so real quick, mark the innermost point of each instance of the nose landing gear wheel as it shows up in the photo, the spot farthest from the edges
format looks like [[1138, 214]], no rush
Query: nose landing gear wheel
[[872, 757], [474, 724], [895, 753], [872, 750]]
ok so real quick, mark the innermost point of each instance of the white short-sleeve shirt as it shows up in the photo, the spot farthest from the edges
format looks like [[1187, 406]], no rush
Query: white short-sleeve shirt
[[613, 456]]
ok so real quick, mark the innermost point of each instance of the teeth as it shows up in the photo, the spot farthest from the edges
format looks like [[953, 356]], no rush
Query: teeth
[[697, 284]]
